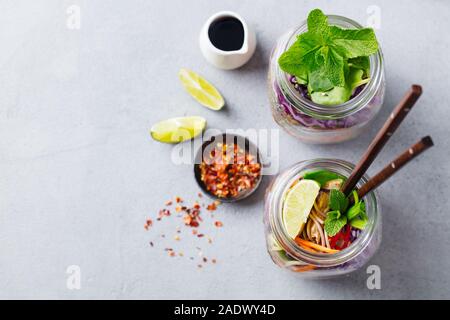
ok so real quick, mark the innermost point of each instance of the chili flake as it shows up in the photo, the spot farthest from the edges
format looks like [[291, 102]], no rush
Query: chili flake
[[218, 224], [191, 218], [148, 224], [227, 173]]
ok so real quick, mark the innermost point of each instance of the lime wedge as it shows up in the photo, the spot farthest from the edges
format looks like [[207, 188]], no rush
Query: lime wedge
[[298, 204], [178, 129], [201, 90]]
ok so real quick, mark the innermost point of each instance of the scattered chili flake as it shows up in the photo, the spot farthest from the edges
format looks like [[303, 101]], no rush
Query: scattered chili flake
[[191, 218], [213, 260], [228, 170], [200, 195], [163, 213], [148, 224], [218, 224]]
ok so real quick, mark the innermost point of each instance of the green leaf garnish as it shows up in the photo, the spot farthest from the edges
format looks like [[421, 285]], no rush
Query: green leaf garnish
[[338, 201], [354, 211], [358, 223], [334, 223], [322, 176], [362, 63], [356, 214], [332, 61]]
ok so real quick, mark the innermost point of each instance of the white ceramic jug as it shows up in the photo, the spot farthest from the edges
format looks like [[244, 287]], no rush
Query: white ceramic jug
[[227, 59]]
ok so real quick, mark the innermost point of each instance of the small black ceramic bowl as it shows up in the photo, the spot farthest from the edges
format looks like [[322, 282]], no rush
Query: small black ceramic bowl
[[226, 138]]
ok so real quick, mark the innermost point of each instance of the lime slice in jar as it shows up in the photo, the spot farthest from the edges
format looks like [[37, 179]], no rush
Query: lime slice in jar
[[201, 90], [176, 130], [298, 204]]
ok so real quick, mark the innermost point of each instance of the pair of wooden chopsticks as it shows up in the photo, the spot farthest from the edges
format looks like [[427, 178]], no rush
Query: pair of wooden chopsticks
[[388, 129]]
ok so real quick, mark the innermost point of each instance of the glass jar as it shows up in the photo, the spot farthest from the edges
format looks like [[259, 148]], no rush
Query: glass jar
[[287, 254], [315, 123]]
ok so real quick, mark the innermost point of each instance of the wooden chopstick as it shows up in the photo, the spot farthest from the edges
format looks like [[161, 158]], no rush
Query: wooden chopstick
[[394, 166], [388, 129]]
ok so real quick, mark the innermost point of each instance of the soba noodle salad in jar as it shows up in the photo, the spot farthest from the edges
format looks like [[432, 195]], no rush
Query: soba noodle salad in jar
[[326, 79], [314, 229]]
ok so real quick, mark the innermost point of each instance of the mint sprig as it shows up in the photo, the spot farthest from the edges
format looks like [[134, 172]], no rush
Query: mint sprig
[[340, 214], [324, 56], [334, 222]]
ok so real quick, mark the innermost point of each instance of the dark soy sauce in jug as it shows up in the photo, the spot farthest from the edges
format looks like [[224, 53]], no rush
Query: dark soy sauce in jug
[[227, 34]]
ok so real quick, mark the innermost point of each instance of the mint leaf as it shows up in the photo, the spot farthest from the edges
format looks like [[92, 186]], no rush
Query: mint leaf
[[338, 201], [354, 43], [317, 22], [289, 62], [327, 71], [324, 56], [334, 223], [322, 176]]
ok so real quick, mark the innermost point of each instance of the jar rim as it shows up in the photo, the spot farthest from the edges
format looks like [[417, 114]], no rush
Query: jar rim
[[290, 246], [345, 109]]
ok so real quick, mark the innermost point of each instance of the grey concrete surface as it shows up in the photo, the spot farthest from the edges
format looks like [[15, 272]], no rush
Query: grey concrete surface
[[79, 173]]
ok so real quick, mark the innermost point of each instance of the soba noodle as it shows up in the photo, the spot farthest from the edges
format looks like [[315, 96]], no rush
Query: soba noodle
[[314, 228]]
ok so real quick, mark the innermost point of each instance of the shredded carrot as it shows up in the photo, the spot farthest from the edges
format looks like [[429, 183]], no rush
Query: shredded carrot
[[307, 248], [315, 246], [303, 268]]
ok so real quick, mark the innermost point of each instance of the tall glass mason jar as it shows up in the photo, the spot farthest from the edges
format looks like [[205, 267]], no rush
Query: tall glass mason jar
[[287, 254], [315, 123]]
